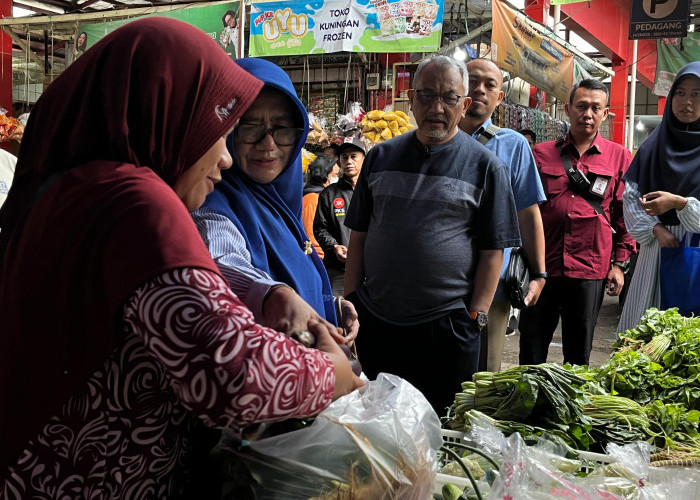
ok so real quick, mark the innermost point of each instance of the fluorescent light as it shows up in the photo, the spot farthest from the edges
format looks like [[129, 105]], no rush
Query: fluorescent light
[[20, 12]]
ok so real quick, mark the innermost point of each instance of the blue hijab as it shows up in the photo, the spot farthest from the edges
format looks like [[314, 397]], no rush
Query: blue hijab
[[669, 159], [269, 215]]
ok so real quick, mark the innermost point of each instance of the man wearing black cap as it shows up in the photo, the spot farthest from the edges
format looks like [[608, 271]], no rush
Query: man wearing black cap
[[333, 203]]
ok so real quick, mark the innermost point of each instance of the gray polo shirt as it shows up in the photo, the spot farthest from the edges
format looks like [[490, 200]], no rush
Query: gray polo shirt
[[427, 211]]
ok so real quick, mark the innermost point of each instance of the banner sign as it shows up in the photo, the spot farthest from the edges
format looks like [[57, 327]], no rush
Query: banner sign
[[659, 18], [672, 55], [295, 27], [219, 21], [521, 50]]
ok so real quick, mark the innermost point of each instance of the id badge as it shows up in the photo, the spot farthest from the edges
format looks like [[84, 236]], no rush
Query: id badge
[[600, 185]]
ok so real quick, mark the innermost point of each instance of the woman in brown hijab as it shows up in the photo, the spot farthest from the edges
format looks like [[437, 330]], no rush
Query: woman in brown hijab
[[120, 338]]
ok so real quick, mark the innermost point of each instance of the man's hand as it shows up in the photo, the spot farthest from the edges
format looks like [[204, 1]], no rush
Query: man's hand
[[285, 311], [616, 278], [341, 252], [351, 324], [665, 237], [660, 202], [534, 290]]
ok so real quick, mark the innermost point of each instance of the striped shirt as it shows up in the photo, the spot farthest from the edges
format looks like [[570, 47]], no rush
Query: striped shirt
[[228, 249], [644, 289]]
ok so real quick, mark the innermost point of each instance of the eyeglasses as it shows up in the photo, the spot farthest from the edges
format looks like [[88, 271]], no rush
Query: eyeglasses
[[252, 134], [428, 97]]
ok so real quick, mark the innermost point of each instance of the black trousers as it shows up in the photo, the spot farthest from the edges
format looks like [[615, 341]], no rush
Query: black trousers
[[435, 357], [577, 302]]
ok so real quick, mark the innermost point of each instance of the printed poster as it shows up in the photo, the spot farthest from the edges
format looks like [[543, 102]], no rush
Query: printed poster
[[296, 27], [672, 55], [521, 50], [219, 21]]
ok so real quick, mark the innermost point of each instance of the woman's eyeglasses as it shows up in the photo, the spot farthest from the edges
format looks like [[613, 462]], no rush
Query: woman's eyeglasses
[[252, 134], [427, 97]]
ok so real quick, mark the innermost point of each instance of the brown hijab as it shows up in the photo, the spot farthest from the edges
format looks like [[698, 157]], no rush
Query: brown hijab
[[85, 222]]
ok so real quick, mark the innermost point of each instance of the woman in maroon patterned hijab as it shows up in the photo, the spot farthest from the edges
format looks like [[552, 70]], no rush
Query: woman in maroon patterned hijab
[[119, 338]]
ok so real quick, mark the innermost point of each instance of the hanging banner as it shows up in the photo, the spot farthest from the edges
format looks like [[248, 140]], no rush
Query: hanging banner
[[672, 55], [218, 20], [659, 18], [521, 50], [295, 27]]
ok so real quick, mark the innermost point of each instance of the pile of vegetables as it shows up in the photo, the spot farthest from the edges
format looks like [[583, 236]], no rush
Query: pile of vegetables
[[378, 126], [648, 390]]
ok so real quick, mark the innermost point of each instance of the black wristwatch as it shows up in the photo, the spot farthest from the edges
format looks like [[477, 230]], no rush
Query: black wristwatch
[[480, 318], [534, 276]]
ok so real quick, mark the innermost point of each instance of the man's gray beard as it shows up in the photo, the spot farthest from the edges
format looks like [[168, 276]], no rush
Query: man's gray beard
[[435, 134]]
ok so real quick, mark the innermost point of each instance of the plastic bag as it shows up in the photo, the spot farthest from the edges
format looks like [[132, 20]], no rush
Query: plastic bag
[[380, 441], [317, 132], [348, 125], [525, 475]]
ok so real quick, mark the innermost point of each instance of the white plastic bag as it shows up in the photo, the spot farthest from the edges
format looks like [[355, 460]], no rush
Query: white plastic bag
[[378, 442]]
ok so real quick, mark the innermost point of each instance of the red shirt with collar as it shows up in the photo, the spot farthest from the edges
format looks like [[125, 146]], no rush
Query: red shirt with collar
[[579, 242]]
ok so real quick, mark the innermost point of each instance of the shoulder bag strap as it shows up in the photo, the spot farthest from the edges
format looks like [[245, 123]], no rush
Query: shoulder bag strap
[[488, 134], [594, 203]]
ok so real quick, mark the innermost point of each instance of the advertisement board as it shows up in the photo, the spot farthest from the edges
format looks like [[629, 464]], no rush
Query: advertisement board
[[218, 20], [523, 51], [294, 27]]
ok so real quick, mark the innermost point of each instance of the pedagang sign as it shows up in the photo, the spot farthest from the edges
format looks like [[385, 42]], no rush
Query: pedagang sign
[[521, 50], [296, 27], [659, 19]]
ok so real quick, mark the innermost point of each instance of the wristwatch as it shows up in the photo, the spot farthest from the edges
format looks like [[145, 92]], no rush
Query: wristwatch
[[624, 265], [480, 318], [534, 276]]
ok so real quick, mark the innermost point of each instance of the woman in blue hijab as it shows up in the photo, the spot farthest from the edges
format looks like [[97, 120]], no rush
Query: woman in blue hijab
[[662, 189], [252, 221]]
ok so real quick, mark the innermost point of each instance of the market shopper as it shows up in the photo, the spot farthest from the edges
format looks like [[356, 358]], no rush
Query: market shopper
[[485, 80], [530, 136], [430, 216], [252, 221], [333, 205], [584, 230], [323, 171], [120, 339], [662, 189]]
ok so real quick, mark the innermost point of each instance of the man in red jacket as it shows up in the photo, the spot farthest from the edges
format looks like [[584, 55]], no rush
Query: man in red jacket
[[587, 244]]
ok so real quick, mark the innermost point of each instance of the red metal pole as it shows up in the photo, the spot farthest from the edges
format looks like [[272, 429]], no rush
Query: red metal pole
[[6, 67], [618, 100]]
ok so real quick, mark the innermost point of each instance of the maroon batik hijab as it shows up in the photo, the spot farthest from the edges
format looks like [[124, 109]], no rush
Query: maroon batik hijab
[[84, 225]]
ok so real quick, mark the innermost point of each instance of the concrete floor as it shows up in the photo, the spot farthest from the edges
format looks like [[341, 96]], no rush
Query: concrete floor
[[605, 335]]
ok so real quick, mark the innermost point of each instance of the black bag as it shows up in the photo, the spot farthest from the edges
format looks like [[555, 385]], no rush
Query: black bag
[[517, 278]]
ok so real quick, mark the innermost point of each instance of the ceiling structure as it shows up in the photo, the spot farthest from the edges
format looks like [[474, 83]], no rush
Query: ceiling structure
[[49, 39]]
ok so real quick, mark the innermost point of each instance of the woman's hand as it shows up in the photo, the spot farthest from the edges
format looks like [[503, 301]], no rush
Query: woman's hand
[[285, 311], [351, 323], [660, 202], [345, 380], [665, 237]]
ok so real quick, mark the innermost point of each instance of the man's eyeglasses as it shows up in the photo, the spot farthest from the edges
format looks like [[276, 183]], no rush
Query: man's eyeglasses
[[252, 134], [427, 97]]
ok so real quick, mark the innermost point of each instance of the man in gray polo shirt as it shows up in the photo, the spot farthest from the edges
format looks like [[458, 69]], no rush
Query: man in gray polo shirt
[[431, 214]]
